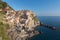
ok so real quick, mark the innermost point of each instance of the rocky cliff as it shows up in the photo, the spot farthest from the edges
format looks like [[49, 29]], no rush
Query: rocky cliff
[[21, 24]]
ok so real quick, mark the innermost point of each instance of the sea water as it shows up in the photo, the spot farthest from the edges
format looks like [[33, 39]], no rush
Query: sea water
[[49, 34]]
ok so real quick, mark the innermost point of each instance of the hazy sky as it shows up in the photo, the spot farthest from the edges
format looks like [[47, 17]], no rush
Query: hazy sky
[[40, 7]]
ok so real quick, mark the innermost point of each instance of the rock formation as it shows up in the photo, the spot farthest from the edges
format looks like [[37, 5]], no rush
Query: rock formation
[[22, 24]]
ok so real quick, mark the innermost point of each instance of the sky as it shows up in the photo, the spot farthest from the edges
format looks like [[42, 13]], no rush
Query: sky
[[39, 7]]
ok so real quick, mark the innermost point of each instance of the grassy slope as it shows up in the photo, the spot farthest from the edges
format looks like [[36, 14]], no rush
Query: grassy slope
[[3, 28]]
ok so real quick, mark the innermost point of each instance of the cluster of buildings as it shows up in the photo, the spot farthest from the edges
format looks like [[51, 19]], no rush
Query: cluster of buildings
[[21, 23]]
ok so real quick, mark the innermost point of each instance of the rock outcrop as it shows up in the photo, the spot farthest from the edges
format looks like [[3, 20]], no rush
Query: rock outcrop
[[22, 24]]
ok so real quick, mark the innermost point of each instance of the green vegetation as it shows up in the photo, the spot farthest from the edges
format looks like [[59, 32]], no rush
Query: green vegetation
[[3, 28], [35, 19], [0, 0], [4, 4]]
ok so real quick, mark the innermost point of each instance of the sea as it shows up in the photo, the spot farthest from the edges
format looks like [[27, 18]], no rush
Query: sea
[[48, 34]]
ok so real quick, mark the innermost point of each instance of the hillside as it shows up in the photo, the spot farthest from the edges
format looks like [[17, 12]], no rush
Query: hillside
[[16, 25], [3, 5], [3, 27]]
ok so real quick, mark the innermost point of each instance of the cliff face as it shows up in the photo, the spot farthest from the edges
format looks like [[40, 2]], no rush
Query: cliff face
[[21, 24], [24, 18]]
